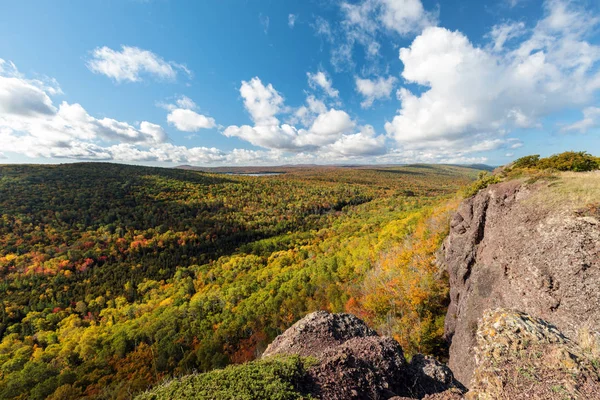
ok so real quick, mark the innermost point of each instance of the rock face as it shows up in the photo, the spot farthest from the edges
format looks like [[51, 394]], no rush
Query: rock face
[[511, 246], [522, 357], [355, 363], [317, 332]]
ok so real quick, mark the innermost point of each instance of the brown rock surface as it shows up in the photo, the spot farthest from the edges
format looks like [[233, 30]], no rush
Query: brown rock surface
[[356, 363], [317, 332], [526, 247]]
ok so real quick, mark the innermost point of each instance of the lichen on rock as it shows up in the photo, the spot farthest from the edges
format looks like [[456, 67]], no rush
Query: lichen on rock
[[519, 356]]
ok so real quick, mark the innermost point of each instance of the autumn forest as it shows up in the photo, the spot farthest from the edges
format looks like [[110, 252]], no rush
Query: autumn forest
[[115, 277]]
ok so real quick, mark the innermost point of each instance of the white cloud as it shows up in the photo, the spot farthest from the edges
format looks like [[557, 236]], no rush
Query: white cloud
[[306, 114], [262, 102], [292, 20], [185, 102], [31, 124], [376, 89], [503, 33], [131, 64], [591, 119], [264, 21], [323, 28], [20, 97], [184, 118], [327, 133], [189, 121], [472, 94], [332, 122], [515, 143], [367, 22], [400, 16], [268, 136], [362, 144], [405, 16], [56, 126], [320, 79]]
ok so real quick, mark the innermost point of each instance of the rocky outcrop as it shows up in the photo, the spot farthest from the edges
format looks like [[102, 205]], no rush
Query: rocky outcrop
[[522, 357], [516, 246], [318, 332], [355, 363]]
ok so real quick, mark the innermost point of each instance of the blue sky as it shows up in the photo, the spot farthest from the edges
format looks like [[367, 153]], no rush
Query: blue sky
[[167, 82]]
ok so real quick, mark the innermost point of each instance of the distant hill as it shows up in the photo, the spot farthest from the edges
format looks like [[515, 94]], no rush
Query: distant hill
[[288, 168]]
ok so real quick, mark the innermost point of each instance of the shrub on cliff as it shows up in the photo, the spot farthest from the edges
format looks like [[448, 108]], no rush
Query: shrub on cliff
[[279, 378], [485, 179], [577, 161]]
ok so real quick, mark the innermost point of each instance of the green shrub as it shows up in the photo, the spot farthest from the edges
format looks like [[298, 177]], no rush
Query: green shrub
[[577, 161], [570, 161], [485, 179], [277, 378], [527, 161]]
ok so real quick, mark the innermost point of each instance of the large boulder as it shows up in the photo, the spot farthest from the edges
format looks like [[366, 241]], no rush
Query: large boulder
[[529, 247], [363, 367], [317, 332], [353, 362]]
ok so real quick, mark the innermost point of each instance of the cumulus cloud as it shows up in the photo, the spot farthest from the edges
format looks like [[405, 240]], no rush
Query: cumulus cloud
[[130, 64], [19, 97], [31, 124], [184, 118], [306, 114], [262, 102], [332, 122], [190, 121], [472, 94], [327, 132], [375, 89], [364, 143], [321, 80]]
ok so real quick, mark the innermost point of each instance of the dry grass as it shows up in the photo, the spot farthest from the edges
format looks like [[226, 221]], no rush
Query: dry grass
[[589, 341], [572, 191]]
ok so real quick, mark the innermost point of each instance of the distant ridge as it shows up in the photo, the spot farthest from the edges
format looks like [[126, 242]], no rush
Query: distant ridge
[[289, 167]]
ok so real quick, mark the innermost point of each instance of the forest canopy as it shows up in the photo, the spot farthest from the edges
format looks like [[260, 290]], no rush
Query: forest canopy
[[115, 277]]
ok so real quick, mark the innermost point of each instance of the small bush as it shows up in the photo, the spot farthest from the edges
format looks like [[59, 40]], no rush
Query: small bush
[[277, 378], [527, 161], [485, 179]]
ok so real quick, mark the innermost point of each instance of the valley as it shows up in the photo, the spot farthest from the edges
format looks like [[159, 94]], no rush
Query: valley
[[115, 277]]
